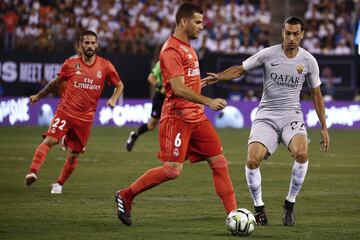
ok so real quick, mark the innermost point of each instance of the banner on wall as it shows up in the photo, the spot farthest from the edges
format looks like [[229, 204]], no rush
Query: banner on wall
[[134, 112]]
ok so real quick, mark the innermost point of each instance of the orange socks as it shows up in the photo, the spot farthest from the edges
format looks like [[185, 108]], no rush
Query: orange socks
[[39, 157], [69, 167], [150, 179], [223, 184]]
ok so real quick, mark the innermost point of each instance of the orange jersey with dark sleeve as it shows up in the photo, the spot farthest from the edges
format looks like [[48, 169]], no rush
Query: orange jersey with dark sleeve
[[178, 58], [85, 84]]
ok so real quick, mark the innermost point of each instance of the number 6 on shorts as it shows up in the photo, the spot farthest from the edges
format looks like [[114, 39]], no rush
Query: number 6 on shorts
[[177, 140]]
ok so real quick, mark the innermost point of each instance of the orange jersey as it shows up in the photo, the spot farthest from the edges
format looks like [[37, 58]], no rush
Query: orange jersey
[[178, 58], [84, 86]]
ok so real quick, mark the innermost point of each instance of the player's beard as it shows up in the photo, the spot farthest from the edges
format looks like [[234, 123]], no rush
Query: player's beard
[[89, 52], [192, 35]]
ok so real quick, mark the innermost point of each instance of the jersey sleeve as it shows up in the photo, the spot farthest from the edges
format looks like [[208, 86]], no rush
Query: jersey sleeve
[[254, 61], [112, 75], [313, 77], [172, 64], [65, 71]]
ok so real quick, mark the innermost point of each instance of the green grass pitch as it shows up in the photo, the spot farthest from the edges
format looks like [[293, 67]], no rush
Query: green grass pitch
[[328, 206]]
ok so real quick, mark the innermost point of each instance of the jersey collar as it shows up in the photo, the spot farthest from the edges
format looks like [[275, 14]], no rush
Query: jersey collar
[[96, 57], [177, 39]]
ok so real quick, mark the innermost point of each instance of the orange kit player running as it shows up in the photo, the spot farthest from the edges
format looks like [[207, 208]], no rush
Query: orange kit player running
[[185, 131], [85, 75]]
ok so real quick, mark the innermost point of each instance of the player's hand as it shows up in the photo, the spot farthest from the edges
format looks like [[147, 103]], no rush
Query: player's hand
[[34, 99], [162, 90], [325, 143], [211, 79], [217, 104], [111, 103]]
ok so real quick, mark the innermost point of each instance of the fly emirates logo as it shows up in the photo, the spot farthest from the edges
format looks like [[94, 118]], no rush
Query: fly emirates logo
[[87, 84], [194, 71]]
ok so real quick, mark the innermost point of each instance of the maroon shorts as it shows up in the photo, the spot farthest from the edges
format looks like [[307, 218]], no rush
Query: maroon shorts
[[77, 132], [180, 140]]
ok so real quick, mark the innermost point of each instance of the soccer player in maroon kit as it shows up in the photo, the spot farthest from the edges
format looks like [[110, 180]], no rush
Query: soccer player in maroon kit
[[85, 76], [185, 132]]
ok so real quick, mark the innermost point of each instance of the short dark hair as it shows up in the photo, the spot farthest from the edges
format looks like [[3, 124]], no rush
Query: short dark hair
[[87, 33], [186, 10], [294, 21]]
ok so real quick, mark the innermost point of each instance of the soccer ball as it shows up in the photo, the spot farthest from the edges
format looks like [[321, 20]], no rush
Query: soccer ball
[[240, 222], [229, 117]]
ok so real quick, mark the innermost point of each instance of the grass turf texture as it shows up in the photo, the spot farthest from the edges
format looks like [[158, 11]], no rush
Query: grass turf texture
[[328, 206]]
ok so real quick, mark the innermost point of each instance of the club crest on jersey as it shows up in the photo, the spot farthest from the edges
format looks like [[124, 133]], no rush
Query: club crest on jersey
[[300, 68], [99, 74], [77, 67]]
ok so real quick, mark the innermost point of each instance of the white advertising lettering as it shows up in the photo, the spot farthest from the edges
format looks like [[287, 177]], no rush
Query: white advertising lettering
[[128, 113], [345, 116], [30, 72], [15, 109], [50, 71], [8, 71]]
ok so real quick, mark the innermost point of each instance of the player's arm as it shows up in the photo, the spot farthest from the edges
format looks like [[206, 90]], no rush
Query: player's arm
[[228, 74], [119, 88], [51, 87], [181, 90], [319, 105]]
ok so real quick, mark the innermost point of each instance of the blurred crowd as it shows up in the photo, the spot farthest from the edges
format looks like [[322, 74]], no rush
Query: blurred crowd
[[330, 26], [137, 26], [130, 26]]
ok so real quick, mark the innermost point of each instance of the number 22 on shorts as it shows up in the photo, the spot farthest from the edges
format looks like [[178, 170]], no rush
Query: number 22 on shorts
[[58, 123]]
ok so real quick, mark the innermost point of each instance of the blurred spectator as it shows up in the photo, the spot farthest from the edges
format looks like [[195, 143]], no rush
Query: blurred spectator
[[10, 20], [330, 27], [130, 26]]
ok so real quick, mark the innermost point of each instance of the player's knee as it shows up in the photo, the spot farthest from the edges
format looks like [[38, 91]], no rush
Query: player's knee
[[73, 157], [219, 162], [171, 171], [50, 141], [152, 124], [253, 160], [300, 156]]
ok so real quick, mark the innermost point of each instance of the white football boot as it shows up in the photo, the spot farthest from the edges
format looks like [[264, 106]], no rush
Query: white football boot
[[30, 178], [56, 188]]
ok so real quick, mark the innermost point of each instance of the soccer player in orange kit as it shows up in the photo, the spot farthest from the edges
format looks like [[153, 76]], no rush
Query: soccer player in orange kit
[[185, 132], [85, 76]]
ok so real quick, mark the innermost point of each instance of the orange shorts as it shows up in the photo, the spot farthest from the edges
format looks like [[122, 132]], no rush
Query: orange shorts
[[76, 131], [180, 140]]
